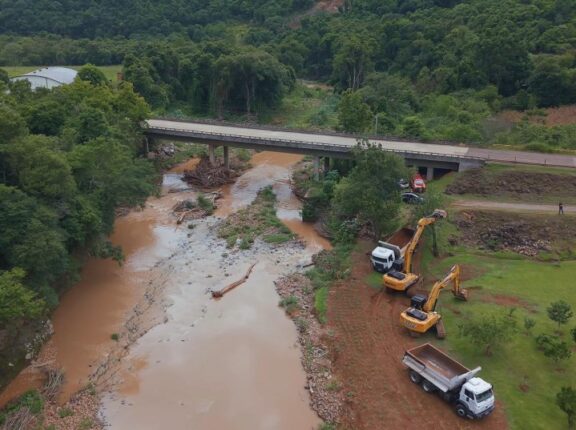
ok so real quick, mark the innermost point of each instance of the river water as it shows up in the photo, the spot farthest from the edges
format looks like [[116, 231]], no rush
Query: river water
[[227, 364]]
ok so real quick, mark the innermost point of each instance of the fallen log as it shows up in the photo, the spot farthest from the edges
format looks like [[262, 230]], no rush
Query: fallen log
[[220, 293]]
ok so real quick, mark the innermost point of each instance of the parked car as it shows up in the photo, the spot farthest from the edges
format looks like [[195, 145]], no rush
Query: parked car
[[403, 184], [412, 198]]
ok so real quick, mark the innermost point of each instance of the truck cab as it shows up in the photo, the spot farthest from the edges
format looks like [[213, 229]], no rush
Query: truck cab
[[476, 399], [382, 259]]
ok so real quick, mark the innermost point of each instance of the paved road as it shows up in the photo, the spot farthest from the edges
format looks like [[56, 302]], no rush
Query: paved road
[[513, 207], [448, 150]]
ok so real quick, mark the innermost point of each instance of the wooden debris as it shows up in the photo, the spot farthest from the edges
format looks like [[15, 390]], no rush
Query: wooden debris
[[208, 175], [220, 293]]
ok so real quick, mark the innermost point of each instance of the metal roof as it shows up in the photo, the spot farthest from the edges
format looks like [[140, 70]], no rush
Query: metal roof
[[62, 75]]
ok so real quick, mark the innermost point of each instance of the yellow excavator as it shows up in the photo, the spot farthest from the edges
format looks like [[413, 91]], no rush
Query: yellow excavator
[[401, 281], [421, 315]]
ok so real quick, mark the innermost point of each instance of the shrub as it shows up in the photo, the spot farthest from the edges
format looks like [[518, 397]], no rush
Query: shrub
[[65, 412], [205, 204], [529, 323], [290, 304], [321, 304]]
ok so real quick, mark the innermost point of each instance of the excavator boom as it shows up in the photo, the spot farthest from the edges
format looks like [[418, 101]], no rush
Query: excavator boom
[[401, 281], [421, 315]]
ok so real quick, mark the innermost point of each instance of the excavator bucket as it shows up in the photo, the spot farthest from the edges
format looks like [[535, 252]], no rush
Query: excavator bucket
[[462, 295], [439, 213], [440, 330]]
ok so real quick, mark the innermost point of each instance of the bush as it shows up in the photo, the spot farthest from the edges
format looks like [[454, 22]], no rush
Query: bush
[[529, 323], [321, 304], [290, 304], [553, 347], [65, 412], [540, 147], [205, 204]]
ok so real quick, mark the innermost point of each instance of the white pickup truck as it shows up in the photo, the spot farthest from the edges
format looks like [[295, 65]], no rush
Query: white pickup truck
[[437, 372]]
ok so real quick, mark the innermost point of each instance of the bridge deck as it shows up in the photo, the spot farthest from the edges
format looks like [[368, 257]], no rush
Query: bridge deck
[[283, 138]]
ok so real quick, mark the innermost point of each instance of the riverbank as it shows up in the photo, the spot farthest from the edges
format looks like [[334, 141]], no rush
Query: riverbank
[[175, 344]]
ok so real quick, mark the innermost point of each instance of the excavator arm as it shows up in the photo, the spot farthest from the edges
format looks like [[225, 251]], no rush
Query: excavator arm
[[459, 293], [422, 224]]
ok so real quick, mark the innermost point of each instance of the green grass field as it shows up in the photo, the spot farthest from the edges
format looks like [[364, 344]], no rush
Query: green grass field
[[525, 381], [499, 284], [109, 71], [308, 106]]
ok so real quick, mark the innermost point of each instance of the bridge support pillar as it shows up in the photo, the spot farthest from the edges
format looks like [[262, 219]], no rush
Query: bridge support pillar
[[226, 156], [326, 164], [212, 154], [316, 167], [429, 173]]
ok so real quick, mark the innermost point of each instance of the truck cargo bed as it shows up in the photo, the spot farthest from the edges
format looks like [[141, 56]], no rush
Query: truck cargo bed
[[435, 359], [401, 237], [437, 367]]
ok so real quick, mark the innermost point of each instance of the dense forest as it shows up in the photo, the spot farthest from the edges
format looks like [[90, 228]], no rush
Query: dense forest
[[429, 69], [68, 158]]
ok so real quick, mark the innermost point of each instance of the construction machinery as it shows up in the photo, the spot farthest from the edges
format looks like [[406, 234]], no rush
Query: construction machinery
[[396, 280], [436, 371], [389, 254], [421, 316]]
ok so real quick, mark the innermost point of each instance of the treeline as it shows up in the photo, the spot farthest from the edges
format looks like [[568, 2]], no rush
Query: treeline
[[108, 18], [68, 158], [209, 78], [428, 69]]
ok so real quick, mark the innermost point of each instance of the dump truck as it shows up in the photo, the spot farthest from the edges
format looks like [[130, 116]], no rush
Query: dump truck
[[402, 278], [389, 254], [437, 372]]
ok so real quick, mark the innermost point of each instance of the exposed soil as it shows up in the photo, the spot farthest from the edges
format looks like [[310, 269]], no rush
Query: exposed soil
[[321, 6], [525, 234], [513, 184], [368, 347], [563, 115], [505, 300]]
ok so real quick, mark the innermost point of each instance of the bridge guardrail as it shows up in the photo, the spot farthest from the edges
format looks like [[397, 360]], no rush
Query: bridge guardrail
[[300, 143]]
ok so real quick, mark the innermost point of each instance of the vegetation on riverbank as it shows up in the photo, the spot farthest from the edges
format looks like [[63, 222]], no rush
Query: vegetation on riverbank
[[69, 158], [259, 219], [514, 267]]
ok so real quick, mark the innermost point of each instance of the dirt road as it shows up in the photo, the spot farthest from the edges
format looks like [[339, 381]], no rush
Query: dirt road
[[368, 351], [514, 207]]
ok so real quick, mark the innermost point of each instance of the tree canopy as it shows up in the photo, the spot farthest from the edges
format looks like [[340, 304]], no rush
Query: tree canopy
[[68, 158]]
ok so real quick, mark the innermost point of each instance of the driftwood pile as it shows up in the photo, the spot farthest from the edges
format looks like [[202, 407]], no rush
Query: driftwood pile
[[208, 175], [190, 209]]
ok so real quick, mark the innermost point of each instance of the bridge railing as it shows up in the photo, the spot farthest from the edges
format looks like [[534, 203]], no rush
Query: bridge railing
[[297, 144], [320, 132]]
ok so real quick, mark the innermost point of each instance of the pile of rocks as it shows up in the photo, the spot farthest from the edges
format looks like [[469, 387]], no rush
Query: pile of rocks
[[326, 396]]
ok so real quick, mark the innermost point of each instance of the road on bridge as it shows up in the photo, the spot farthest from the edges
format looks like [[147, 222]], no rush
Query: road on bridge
[[489, 155]]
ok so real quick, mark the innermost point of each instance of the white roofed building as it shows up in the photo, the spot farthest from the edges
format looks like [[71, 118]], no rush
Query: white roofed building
[[48, 77]]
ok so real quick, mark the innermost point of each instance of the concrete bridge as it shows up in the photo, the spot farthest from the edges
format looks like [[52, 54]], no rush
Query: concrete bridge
[[423, 155]]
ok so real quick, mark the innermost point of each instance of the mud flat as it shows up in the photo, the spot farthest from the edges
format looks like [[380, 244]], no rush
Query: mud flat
[[159, 350]]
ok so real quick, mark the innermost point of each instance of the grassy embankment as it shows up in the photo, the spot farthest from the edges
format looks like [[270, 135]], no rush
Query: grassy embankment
[[526, 381], [109, 71], [308, 106], [257, 220]]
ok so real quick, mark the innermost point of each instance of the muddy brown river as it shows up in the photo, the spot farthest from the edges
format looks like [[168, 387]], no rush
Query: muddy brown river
[[233, 363]]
